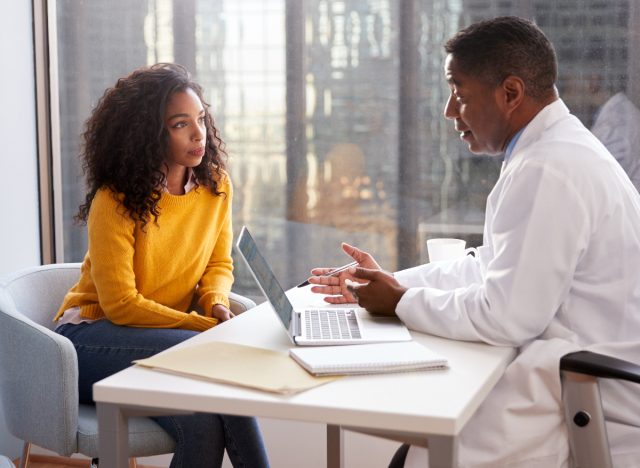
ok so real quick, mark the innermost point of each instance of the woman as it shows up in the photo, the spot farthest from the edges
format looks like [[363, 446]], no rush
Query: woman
[[158, 212]]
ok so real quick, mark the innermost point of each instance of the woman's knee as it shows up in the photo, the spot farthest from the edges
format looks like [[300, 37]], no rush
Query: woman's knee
[[104, 348], [199, 439], [194, 428], [164, 338]]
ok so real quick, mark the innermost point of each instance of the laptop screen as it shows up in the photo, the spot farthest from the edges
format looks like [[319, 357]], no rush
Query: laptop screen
[[264, 276]]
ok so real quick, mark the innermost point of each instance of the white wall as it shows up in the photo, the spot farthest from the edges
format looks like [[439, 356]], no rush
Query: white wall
[[19, 233]]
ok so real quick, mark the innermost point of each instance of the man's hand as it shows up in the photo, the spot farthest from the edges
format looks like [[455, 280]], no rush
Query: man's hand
[[382, 293], [334, 286], [221, 313]]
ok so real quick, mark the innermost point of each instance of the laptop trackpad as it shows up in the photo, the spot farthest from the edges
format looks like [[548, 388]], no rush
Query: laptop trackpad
[[384, 328]]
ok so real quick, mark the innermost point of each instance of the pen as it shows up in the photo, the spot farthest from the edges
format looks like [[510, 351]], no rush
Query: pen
[[332, 272]]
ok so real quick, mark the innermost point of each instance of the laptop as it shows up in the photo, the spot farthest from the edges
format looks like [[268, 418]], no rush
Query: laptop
[[319, 326]]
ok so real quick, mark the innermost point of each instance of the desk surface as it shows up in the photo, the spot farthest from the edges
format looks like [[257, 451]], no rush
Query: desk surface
[[437, 402]]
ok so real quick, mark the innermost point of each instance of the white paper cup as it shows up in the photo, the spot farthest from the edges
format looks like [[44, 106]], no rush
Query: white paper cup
[[442, 249]]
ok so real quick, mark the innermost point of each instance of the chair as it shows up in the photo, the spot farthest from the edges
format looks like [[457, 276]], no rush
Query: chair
[[579, 373], [6, 463], [39, 370]]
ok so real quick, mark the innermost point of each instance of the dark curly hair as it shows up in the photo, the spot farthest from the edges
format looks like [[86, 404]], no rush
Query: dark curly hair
[[503, 46], [125, 141]]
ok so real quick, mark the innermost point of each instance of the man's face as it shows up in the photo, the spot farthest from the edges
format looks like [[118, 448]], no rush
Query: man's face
[[475, 108]]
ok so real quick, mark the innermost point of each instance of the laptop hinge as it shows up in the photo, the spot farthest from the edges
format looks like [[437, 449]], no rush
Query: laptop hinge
[[296, 325]]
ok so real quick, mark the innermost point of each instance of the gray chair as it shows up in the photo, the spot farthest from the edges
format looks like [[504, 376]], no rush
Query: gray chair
[[580, 372], [39, 370], [6, 463]]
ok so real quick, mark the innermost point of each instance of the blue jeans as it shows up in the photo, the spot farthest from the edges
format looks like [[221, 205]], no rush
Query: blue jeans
[[104, 349]]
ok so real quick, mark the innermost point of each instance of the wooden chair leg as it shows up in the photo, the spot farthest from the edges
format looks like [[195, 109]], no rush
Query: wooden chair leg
[[132, 463], [26, 451]]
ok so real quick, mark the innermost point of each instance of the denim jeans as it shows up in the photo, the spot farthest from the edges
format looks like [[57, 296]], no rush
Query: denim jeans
[[104, 349]]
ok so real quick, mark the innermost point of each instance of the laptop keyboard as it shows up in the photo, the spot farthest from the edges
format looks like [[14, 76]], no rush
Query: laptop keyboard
[[330, 324]]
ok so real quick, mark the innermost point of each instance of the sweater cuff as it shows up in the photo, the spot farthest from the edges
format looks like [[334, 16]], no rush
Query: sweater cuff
[[196, 322], [208, 301]]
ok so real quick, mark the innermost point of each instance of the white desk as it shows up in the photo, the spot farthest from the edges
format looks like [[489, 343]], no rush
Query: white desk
[[411, 406]]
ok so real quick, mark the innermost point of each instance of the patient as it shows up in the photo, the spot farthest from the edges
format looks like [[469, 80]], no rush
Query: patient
[[158, 213]]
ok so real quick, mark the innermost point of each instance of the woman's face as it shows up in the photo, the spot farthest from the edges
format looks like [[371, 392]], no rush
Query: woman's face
[[184, 119]]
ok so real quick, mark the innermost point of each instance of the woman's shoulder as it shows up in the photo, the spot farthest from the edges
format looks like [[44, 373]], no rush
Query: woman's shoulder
[[107, 203], [224, 179], [221, 195], [107, 196]]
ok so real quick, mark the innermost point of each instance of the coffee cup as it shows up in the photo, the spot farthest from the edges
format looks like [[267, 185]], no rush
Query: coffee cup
[[442, 249]]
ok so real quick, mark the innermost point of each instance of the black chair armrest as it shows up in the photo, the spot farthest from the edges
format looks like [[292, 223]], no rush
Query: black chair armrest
[[600, 365]]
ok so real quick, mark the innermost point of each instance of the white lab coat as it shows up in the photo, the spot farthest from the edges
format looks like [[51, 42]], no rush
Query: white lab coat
[[559, 271], [617, 126]]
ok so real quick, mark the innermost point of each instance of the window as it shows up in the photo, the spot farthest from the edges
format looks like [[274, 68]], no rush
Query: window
[[331, 110]]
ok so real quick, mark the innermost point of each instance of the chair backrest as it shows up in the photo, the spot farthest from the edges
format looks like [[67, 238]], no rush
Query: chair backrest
[[38, 292], [6, 463], [38, 367]]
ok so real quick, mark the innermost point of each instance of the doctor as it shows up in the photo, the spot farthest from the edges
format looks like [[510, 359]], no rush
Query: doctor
[[560, 266]]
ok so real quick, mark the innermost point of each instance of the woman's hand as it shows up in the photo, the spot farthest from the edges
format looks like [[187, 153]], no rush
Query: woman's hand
[[334, 286], [222, 313]]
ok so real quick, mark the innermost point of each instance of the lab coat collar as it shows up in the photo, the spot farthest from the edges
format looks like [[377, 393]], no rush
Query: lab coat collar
[[547, 117]]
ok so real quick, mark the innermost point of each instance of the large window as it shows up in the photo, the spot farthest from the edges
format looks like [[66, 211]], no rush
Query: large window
[[331, 109]]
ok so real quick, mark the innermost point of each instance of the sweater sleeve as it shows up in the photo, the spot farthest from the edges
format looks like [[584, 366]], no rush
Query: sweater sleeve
[[215, 285], [111, 249]]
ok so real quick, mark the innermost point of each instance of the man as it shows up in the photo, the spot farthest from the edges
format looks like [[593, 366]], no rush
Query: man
[[559, 269], [617, 126]]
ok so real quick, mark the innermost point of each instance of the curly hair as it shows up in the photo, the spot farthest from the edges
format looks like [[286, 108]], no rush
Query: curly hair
[[503, 46], [125, 141]]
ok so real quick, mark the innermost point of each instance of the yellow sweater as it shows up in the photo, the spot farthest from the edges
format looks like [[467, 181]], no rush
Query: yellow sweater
[[148, 279]]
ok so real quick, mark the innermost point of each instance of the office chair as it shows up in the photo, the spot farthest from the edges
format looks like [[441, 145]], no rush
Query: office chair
[[579, 372], [6, 463], [39, 370]]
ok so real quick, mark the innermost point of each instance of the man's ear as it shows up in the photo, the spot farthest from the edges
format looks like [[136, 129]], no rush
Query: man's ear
[[513, 92]]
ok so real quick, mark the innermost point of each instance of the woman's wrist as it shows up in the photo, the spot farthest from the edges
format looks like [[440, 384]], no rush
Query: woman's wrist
[[221, 312]]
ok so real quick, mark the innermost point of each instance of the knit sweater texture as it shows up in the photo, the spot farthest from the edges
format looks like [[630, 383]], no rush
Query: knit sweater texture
[[148, 278]]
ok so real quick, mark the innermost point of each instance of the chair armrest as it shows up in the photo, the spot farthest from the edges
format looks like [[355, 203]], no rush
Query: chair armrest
[[39, 382], [584, 414], [600, 365], [239, 304]]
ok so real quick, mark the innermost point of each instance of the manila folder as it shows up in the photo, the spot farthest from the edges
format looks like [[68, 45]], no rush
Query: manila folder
[[235, 364]]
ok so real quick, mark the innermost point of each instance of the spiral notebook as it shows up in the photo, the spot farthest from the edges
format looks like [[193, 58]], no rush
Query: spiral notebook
[[368, 358]]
